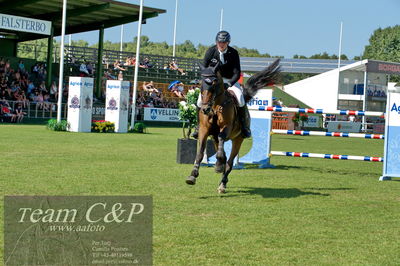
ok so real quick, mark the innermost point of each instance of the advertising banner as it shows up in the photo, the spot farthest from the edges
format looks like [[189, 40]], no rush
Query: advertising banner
[[313, 121], [260, 128], [161, 114], [391, 165], [383, 67], [344, 126], [117, 104], [16, 23], [80, 102]]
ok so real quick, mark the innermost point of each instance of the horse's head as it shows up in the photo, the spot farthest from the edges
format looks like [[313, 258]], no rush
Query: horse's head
[[211, 87]]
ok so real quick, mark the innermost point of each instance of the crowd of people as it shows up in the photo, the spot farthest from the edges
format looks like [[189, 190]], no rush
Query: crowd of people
[[150, 96], [19, 87]]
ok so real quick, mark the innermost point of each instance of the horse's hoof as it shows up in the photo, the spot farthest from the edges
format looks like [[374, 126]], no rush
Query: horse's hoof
[[191, 180], [221, 189], [219, 168]]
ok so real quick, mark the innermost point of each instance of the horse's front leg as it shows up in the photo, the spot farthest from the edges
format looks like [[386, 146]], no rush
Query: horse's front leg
[[221, 157], [202, 140], [236, 143]]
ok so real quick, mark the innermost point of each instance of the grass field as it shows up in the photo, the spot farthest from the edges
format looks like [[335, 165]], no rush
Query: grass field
[[304, 212]]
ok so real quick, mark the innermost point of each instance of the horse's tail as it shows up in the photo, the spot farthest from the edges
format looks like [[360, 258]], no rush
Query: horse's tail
[[261, 79]]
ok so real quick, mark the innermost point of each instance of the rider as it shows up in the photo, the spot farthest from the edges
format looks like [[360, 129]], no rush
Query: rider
[[229, 66]]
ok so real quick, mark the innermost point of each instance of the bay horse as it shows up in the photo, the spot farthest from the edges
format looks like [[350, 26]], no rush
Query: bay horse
[[218, 117]]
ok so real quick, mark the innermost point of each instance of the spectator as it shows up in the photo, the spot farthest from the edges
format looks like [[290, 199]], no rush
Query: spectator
[[42, 87], [177, 88], [140, 100], [118, 66], [174, 66], [83, 71], [90, 69], [21, 67], [149, 86], [42, 72], [18, 114], [120, 76], [53, 91], [146, 63], [130, 61], [108, 75], [106, 61], [21, 97]]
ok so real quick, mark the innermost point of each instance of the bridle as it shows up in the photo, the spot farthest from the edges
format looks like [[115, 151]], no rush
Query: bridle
[[210, 82]]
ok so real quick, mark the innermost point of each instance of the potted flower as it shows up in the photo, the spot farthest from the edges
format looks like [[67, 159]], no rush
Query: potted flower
[[187, 147], [187, 112], [298, 120]]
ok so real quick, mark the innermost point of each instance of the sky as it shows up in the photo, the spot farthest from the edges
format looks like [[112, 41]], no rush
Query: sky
[[280, 28]]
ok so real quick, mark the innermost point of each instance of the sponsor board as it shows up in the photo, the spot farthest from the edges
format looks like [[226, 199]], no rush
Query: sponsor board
[[313, 121], [17, 23], [161, 114], [344, 126]]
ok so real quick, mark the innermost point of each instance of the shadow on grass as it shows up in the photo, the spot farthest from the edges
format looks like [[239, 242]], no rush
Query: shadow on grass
[[283, 193], [318, 169], [329, 188]]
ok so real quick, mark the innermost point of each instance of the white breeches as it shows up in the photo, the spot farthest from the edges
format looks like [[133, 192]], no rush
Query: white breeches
[[237, 90]]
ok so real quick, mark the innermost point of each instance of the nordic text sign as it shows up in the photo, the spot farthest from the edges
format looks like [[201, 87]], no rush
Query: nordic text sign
[[16, 23]]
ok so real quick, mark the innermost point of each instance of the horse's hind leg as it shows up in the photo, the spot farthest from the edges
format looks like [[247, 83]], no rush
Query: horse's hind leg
[[191, 180], [236, 143], [221, 157]]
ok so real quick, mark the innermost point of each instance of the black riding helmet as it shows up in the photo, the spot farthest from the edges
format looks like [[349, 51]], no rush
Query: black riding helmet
[[223, 36]]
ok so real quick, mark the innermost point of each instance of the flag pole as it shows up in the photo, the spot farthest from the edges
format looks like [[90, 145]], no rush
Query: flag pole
[[136, 65], [61, 72]]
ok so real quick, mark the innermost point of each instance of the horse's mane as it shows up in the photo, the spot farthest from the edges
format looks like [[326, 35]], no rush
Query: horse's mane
[[261, 79]]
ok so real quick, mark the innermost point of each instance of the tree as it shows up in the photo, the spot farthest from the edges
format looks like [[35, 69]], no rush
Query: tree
[[384, 44]]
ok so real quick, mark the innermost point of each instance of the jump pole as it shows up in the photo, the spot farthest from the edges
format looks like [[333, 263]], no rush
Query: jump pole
[[262, 136], [327, 156], [327, 134]]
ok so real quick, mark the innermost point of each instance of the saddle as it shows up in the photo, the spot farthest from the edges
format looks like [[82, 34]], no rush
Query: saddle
[[231, 97]]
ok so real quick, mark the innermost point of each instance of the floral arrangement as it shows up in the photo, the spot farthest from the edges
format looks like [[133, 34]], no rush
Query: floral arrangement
[[138, 128], [300, 117], [102, 126], [188, 113], [52, 124]]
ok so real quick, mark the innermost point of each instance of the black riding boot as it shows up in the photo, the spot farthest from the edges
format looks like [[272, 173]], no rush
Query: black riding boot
[[244, 117], [195, 134]]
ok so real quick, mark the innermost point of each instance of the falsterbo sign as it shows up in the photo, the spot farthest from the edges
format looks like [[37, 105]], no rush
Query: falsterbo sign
[[16, 23], [77, 230]]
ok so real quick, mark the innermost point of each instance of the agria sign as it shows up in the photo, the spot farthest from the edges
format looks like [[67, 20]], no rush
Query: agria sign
[[395, 108]]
